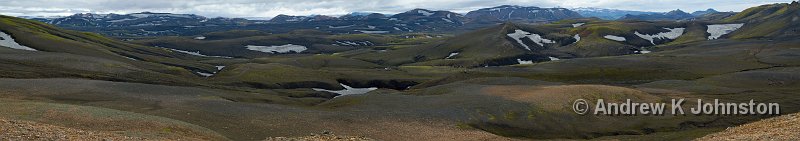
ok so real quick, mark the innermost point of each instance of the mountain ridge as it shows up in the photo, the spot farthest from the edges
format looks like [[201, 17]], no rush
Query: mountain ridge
[[416, 20], [607, 14], [671, 15]]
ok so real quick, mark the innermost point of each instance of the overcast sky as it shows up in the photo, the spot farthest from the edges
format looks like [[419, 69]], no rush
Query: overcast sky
[[270, 8]]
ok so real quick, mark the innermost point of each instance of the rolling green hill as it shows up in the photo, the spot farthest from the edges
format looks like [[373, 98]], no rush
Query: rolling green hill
[[64, 53], [579, 38], [766, 21]]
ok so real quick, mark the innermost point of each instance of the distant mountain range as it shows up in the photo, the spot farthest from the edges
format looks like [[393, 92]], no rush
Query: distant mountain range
[[615, 14], [671, 15], [416, 20], [607, 14], [140, 19]]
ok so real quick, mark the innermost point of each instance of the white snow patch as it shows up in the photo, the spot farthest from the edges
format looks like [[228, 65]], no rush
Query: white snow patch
[[134, 59], [577, 38], [615, 38], [348, 90], [425, 13], [354, 43], [122, 20], [200, 38], [553, 58], [336, 27], [395, 28], [347, 43], [451, 55], [520, 34], [372, 32], [448, 20], [717, 30], [643, 51], [195, 53], [279, 49], [147, 24], [577, 24], [370, 27], [520, 61], [205, 74], [219, 68], [7, 41], [673, 33]]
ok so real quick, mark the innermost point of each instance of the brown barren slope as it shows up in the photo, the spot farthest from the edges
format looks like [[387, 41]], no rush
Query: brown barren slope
[[26, 130], [786, 127]]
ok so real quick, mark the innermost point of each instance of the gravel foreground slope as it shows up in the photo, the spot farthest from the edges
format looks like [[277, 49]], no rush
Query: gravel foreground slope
[[321, 137], [26, 130], [785, 127]]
